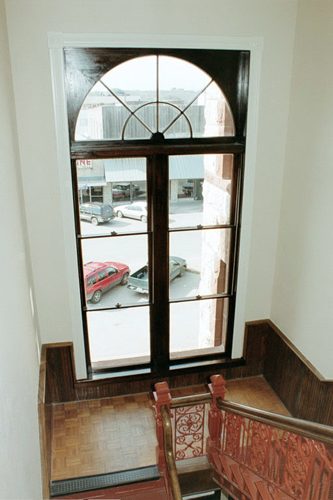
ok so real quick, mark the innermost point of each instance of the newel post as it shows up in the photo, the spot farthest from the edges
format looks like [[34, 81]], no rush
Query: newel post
[[162, 397], [217, 390]]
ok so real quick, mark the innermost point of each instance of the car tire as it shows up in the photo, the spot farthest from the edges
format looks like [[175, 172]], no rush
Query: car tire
[[96, 297], [94, 221], [124, 279], [143, 218], [120, 214]]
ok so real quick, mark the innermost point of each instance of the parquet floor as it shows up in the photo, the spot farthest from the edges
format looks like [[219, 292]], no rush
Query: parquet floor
[[100, 436], [114, 434], [255, 392]]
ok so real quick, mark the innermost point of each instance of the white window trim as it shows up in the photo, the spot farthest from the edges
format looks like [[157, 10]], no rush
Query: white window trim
[[56, 42]]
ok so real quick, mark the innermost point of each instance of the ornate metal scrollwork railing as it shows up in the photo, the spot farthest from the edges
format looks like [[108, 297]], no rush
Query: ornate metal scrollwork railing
[[268, 456]]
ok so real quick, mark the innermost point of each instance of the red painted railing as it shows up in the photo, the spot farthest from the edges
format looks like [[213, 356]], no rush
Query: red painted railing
[[254, 454], [267, 456]]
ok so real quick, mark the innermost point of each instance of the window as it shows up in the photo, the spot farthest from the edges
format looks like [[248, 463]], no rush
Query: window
[[163, 134]]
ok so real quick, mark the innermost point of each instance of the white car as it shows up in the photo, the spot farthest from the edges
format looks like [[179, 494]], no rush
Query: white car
[[137, 210]]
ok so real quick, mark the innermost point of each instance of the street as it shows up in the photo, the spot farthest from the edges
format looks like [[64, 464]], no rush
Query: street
[[124, 333]]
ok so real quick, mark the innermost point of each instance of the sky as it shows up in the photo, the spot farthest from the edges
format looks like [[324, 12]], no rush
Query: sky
[[140, 74]]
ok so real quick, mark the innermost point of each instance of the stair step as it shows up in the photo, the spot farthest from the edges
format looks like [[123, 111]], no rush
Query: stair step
[[207, 495], [114, 479], [196, 481]]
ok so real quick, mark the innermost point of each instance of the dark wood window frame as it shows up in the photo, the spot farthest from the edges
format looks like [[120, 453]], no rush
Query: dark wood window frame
[[230, 70]]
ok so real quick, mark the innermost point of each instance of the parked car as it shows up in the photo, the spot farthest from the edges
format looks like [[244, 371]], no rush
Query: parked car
[[96, 212], [136, 210], [138, 281], [118, 194], [100, 277], [188, 189], [123, 190]]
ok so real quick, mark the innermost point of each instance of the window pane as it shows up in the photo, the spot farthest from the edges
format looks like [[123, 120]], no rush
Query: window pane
[[110, 265], [101, 116], [200, 262], [112, 195], [180, 80], [198, 327], [182, 127], [200, 190], [218, 117], [135, 129], [119, 337], [134, 81]]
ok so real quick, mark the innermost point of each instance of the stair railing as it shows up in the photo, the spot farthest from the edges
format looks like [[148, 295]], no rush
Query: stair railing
[[262, 455], [255, 454], [165, 455], [182, 430]]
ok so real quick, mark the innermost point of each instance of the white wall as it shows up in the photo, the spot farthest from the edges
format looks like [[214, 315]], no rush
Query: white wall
[[29, 21], [19, 441], [303, 294]]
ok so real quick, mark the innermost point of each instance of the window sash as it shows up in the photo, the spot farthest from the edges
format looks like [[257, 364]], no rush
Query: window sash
[[158, 253]]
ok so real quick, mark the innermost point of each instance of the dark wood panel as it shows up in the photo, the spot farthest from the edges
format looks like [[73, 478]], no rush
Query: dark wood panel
[[92, 150], [60, 370], [297, 383]]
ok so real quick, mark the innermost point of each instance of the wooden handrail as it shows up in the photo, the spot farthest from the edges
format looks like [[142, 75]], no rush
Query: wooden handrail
[[312, 430], [168, 453], [193, 399]]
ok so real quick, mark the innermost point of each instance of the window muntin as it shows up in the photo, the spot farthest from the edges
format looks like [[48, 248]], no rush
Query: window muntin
[[156, 153]]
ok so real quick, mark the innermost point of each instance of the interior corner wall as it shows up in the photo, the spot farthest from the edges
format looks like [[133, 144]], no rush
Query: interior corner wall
[[19, 450], [302, 305], [30, 21]]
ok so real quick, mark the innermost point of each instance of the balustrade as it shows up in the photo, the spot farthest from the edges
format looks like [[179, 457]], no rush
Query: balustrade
[[254, 454]]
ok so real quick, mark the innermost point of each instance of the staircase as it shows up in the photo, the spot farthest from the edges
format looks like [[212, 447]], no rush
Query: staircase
[[209, 448]]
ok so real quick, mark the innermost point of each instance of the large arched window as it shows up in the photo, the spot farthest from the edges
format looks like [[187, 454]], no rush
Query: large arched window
[[157, 145]]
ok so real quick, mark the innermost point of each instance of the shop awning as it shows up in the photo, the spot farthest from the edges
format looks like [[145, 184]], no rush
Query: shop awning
[[134, 169], [94, 181]]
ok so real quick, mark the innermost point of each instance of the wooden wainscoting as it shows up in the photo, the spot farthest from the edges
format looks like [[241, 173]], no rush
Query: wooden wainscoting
[[45, 426], [298, 384], [267, 352]]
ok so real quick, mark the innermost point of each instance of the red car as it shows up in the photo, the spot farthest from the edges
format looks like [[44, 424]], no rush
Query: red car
[[102, 276]]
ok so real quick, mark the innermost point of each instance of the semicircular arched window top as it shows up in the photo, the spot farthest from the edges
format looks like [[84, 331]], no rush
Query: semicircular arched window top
[[154, 94]]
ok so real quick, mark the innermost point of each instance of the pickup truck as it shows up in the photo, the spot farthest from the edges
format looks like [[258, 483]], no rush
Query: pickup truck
[[138, 281]]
